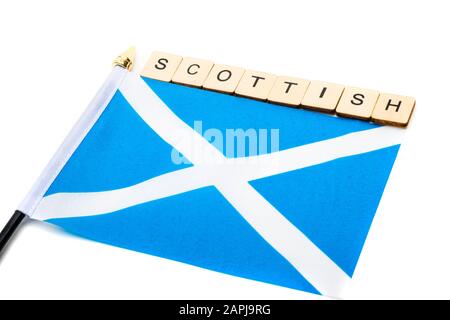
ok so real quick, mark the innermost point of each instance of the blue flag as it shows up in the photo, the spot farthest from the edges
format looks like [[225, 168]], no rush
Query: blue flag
[[280, 195]]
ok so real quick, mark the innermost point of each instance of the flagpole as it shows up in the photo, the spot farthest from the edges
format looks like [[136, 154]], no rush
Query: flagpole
[[10, 228], [125, 60]]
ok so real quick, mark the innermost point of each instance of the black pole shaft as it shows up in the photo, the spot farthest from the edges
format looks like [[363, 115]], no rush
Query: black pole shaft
[[11, 227]]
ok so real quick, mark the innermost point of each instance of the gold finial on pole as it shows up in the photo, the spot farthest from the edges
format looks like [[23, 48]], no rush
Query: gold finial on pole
[[126, 59]]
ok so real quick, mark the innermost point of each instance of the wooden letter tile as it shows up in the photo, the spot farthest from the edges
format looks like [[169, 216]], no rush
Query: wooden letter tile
[[256, 85], [192, 72], [357, 103], [322, 96], [223, 78], [393, 109], [161, 66], [289, 91]]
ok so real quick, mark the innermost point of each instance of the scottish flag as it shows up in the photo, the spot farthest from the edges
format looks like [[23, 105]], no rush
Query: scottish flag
[[157, 170]]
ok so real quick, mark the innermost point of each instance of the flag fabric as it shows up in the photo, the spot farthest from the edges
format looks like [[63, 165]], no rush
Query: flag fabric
[[160, 170]]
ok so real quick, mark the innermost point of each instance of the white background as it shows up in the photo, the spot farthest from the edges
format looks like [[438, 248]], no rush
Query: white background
[[54, 55]]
